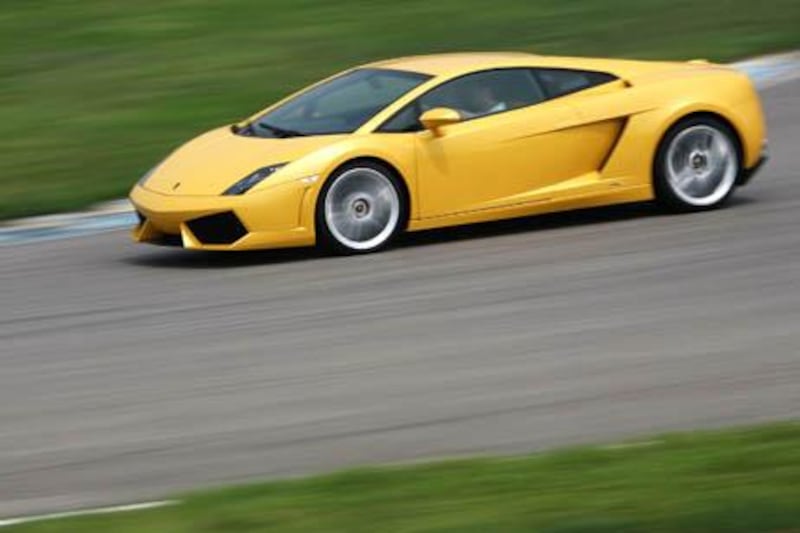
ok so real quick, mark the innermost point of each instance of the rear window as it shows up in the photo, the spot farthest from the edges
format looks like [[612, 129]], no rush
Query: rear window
[[559, 82]]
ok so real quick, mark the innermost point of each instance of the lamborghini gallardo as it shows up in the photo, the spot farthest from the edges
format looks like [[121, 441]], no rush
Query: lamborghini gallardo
[[440, 140]]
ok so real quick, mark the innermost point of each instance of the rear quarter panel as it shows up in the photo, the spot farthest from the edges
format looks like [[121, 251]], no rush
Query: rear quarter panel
[[720, 90], [654, 103]]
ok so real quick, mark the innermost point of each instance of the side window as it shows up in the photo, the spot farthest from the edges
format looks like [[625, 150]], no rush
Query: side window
[[559, 82], [405, 120], [474, 95]]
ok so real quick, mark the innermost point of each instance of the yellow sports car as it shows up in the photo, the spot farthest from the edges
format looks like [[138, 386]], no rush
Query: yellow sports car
[[440, 140]]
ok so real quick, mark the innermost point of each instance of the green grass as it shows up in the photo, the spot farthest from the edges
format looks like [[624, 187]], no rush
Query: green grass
[[744, 480], [94, 92]]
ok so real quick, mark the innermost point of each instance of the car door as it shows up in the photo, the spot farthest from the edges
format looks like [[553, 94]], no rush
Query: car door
[[518, 142], [506, 147]]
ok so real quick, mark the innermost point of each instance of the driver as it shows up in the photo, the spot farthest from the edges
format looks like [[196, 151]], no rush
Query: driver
[[483, 101]]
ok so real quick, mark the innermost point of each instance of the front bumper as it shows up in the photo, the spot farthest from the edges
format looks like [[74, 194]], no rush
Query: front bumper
[[278, 217]]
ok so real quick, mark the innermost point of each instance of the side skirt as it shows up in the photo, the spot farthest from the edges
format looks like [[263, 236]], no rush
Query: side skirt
[[620, 196]]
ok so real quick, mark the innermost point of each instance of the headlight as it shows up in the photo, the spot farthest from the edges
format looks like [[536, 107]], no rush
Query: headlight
[[251, 180]]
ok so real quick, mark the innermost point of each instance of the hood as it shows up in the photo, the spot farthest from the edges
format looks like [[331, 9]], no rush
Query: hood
[[212, 162]]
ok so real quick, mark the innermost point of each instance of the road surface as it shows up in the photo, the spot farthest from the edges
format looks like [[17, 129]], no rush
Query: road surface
[[129, 372]]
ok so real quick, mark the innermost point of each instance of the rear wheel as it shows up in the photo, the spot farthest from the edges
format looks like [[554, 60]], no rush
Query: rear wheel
[[360, 209], [696, 165]]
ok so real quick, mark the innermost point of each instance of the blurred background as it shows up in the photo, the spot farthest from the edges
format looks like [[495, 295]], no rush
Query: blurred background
[[128, 373], [93, 92]]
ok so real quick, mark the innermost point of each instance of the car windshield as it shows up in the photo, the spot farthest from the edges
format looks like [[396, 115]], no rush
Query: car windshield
[[340, 105]]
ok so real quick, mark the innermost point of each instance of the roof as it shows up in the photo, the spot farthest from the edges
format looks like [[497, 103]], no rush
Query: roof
[[437, 64], [458, 63]]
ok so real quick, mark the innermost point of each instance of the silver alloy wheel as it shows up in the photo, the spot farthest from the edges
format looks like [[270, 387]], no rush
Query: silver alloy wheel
[[362, 208], [702, 165]]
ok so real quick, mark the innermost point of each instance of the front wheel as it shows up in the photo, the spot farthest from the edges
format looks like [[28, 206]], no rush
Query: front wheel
[[360, 209], [696, 165]]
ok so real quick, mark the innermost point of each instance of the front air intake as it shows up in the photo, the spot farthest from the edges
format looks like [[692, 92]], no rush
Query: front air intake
[[222, 228]]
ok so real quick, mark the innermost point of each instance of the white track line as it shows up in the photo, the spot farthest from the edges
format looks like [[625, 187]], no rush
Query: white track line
[[87, 512], [771, 70]]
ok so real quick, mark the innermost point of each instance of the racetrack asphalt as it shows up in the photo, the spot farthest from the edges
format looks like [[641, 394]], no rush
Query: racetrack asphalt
[[129, 372]]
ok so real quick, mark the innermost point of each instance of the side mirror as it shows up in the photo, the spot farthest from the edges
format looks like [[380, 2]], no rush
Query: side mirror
[[435, 118]]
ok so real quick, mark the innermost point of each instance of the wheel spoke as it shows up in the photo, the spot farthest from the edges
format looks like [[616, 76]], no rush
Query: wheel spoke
[[684, 179], [720, 152]]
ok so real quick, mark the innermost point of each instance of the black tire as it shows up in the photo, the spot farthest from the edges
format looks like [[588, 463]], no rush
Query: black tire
[[674, 197], [364, 210]]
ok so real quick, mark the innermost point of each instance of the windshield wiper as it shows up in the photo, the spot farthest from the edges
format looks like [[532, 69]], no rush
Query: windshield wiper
[[281, 132]]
